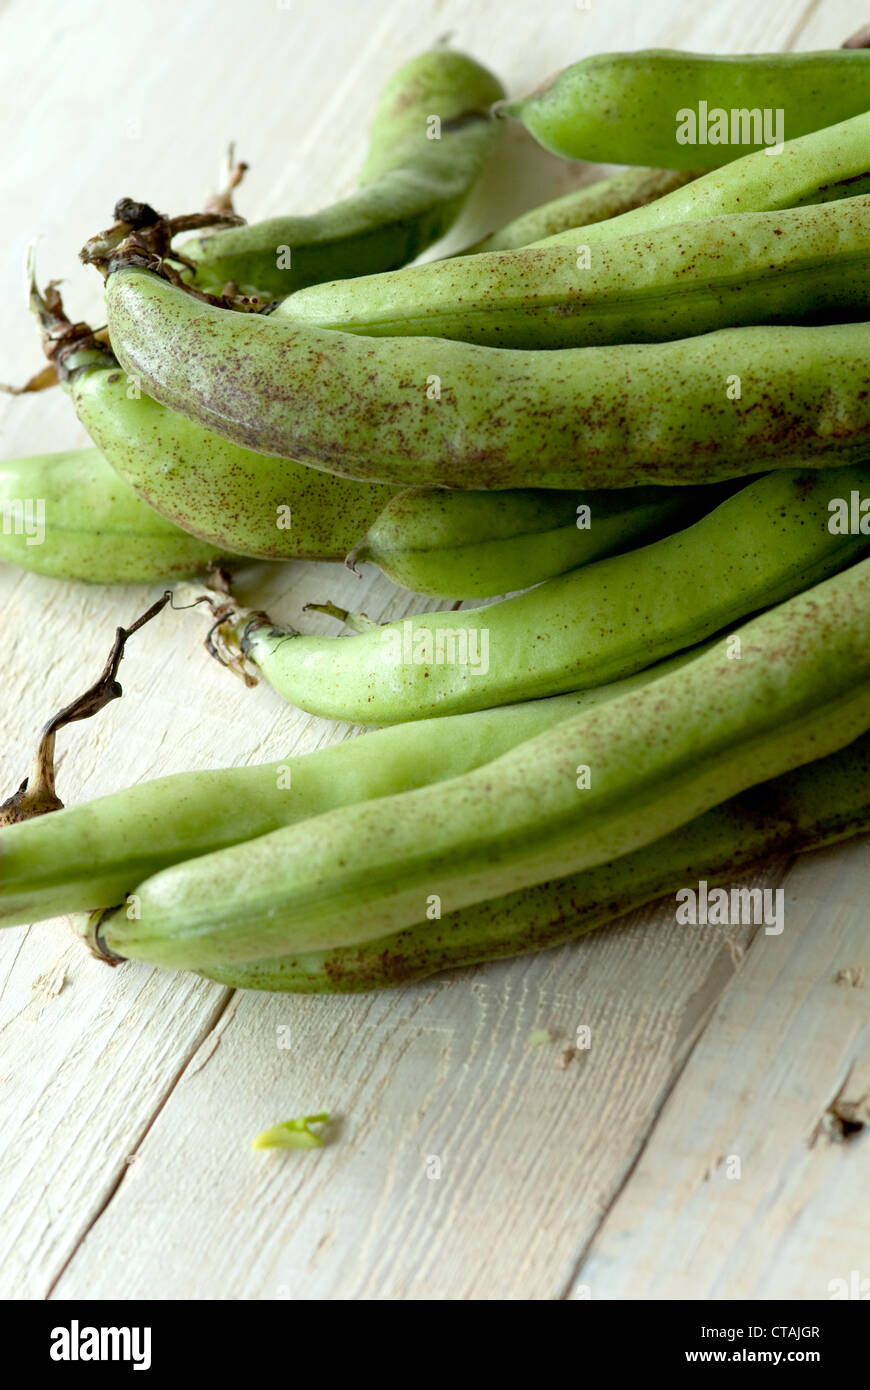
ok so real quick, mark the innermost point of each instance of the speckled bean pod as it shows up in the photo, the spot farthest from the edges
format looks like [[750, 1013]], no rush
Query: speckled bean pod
[[427, 410], [594, 788]]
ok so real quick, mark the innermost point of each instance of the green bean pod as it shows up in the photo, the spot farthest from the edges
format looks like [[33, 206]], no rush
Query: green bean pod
[[433, 541], [89, 856], [818, 804], [606, 620], [817, 168], [234, 499], [594, 202], [430, 138], [594, 788], [70, 516], [661, 106], [802, 265], [427, 410], [478, 544], [261, 506]]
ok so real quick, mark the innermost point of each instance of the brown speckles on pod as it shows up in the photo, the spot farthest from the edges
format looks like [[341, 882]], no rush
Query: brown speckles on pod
[[429, 140], [356, 875], [605, 621], [765, 267], [574, 417]]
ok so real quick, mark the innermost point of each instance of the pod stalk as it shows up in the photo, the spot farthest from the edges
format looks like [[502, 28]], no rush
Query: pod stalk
[[36, 795], [232, 171], [66, 344], [88, 928], [357, 622], [225, 640], [141, 238]]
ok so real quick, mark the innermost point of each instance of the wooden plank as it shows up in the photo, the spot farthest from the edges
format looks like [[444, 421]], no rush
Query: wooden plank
[[88, 1060], [747, 1188], [434, 1078], [138, 1062]]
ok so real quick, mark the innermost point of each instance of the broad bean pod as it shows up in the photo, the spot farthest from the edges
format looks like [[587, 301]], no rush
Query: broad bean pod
[[236, 500], [490, 541], [606, 620], [803, 265], [427, 410], [233, 497], [90, 855], [818, 804], [430, 138], [70, 516], [818, 168], [654, 106], [257, 505], [433, 541], [588, 791], [594, 202], [478, 544]]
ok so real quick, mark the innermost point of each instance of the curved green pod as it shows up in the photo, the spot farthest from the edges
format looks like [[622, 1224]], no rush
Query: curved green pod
[[613, 779], [427, 410], [265, 507], [802, 265], [478, 544], [594, 202], [261, 506], [236, 499], [70, 516], [679, 110], [455, 544], [89, 856], [232, 497], [818, 804], [606, 620], [430, 138], [818, 168]]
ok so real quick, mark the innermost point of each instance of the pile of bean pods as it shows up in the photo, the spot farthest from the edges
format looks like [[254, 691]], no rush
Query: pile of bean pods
[[637, 418]]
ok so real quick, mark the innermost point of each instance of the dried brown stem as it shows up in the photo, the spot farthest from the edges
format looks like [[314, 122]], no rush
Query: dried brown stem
[[231, 175], [142, 238], [42, 380], [221, 641], [61, 338], [37, 796]]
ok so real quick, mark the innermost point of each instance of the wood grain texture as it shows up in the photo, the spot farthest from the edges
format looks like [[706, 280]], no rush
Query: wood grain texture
[[462, 1162], [763, 1187]]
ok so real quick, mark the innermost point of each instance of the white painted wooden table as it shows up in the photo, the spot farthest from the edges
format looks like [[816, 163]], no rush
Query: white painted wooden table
[[129, 1097]]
